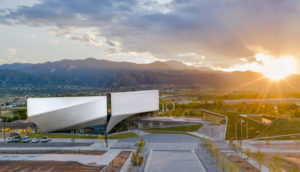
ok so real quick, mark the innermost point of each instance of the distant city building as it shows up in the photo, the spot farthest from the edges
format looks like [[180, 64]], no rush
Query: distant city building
[[12, 104], [94, 114]]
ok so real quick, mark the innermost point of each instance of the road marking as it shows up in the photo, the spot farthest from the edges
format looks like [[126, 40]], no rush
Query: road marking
[[25, 169], [37, 169], [3, 168], [50, 169], [14, 169]]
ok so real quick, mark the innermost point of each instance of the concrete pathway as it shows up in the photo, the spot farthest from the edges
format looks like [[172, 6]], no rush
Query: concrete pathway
[[173, 161], [94, 146], [83, 159]]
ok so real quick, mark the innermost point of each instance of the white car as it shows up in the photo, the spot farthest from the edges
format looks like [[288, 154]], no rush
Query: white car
[[26, 139], [14, 139], [35, 140], [45, 139]]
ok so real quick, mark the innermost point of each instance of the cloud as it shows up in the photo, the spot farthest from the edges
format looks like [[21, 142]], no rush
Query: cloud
[[134, 57], [222, 31], [63, 31], [89, 37], [11, 51], [53, 42], [192, 59], [265, 63]]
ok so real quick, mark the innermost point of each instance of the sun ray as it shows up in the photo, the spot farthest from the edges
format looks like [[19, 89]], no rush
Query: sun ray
[[263, 94], [244, 85]]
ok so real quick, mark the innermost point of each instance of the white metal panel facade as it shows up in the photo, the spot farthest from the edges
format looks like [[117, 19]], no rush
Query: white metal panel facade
[[134, 102], [52, 114], [126, 104]]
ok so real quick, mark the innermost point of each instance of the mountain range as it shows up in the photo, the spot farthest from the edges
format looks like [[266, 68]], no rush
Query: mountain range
[[103, 74]]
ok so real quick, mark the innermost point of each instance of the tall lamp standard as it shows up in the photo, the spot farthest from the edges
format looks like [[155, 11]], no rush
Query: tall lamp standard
[[4, 129]]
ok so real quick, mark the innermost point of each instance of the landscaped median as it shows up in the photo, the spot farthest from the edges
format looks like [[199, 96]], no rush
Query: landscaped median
[[234, 126], [284, 129], [75, 136], [185, 128], [175, 130]]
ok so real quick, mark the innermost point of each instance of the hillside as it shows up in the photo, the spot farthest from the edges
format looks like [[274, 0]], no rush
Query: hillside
[[107, 74]]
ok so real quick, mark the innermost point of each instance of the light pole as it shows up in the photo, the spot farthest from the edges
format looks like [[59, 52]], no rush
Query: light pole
[[235, 131], [247, 130], [4, 129]]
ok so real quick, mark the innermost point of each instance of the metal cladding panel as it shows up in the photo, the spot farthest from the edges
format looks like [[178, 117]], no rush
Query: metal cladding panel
[[134, 102], [52, 114], [125, 104]]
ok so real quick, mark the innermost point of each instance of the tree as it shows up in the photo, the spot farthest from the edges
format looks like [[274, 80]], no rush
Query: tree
[[275, 164], [100, 139], [22, 113], [231, 167], [222, 165], [248, 153], [292, 170], [259, 157], [28, 130], [136, 159]]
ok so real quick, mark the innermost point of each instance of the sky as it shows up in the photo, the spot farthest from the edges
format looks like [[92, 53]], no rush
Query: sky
[[227, 35]]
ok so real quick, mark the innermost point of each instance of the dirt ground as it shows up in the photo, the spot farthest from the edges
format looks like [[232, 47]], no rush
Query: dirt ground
[[287, 146], [242, 164], [43, 166], [116, 164], [288, 160]]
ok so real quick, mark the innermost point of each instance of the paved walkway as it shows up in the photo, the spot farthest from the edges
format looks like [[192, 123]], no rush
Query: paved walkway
[[214, 132], [83, 159], [58, 146], [173, 161]]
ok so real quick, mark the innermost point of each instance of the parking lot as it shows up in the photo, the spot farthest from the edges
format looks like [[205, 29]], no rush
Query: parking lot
[[46, 166]]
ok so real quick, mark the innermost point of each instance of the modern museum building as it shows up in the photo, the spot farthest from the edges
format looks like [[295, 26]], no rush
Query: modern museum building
[[94, 114]]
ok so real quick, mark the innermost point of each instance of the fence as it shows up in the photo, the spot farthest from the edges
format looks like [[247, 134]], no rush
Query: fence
[[214, 161]]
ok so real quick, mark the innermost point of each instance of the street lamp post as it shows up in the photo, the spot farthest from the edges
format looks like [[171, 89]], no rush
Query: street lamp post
[[4, 130]]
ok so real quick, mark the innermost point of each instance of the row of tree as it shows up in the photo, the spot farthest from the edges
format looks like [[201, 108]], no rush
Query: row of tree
[[17, 114], [282, 109]]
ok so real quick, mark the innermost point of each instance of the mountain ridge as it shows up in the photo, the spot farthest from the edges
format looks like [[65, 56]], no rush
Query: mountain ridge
[[106, 74]]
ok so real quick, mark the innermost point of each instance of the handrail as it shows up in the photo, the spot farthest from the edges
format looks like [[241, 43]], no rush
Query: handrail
[[213, 113]]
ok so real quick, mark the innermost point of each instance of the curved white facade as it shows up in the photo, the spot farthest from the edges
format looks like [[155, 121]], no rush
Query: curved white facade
[[126, 104], [67, 113], [53, 114]]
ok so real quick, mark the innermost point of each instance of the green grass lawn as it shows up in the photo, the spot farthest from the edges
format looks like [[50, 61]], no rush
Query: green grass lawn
[[282, 127], [186, 128], [168, 132], [73, 136], [254, 128], [123, 135]]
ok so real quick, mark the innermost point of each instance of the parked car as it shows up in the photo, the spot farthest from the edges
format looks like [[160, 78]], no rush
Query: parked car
[[15, 139], [45, 139], [35, 140], [26, 139]]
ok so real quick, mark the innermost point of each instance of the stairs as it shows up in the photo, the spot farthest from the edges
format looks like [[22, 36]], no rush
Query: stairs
[[216, 132]]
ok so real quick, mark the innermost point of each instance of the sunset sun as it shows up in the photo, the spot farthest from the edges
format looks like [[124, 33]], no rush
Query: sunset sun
[[277, 68]]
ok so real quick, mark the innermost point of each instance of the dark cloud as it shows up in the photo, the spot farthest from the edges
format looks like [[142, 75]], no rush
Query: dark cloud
[[223, 31]]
